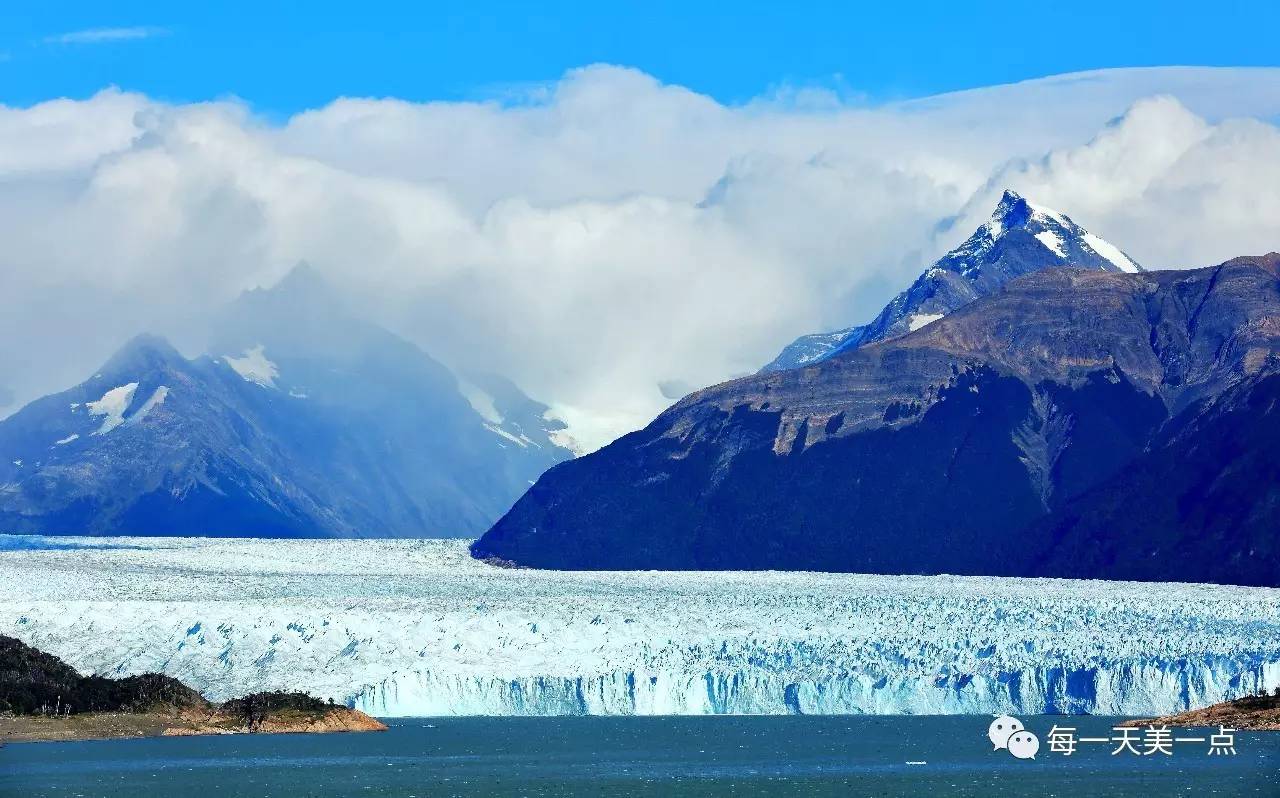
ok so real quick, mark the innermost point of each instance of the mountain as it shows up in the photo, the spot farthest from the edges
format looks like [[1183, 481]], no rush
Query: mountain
[[1076, 423], [1020, 238], [305, 421]]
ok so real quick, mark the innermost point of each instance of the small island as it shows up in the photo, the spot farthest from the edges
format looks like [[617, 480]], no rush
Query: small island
[[43, 698], [1250, 713]]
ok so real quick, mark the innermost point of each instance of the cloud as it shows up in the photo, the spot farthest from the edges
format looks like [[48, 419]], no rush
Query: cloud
[[62, 137], [100, 35], [1171, 188], [607, 241]]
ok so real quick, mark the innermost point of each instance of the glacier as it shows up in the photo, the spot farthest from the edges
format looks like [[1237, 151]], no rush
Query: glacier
[[419, 628]]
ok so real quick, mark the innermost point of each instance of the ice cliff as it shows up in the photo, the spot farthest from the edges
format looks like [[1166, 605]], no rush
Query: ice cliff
[[397, 627]]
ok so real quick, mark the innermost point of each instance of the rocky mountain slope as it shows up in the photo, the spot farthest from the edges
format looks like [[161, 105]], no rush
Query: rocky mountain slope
[[303, 421], [1075, 423], [1020, 238]]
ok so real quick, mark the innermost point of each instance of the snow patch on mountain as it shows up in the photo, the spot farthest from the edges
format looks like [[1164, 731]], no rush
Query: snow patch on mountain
[[413, 627], [1051, 240], [1111, 252], [254, 366], [583, 433], [564, 440], [480, 400], [112, 406], [520, 441], [157, 398], [1047, 213], [922, 319]]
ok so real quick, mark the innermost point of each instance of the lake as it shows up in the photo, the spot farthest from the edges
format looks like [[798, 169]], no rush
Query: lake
[[649, 756]]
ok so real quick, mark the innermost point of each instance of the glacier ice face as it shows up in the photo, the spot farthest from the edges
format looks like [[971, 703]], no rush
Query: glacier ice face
[[401, 627]]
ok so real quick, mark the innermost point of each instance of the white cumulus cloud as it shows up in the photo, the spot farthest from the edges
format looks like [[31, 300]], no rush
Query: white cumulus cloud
[[608, 238]]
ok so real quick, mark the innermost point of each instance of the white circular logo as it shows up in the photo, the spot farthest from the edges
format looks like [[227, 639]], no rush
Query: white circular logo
[[1001, 729], [1024, 744]]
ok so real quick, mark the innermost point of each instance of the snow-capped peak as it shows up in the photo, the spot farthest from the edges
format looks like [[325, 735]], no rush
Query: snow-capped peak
[[1014, 212], [1020, 237], [1056, 231], [1062, 240]]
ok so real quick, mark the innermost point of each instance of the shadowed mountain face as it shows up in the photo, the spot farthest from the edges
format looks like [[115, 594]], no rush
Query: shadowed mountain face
[[304, 422], [1207, 491], [1075, 423], [1019, 239]]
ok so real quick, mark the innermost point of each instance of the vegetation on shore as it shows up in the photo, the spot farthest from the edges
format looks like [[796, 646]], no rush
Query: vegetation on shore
[[35, 683]]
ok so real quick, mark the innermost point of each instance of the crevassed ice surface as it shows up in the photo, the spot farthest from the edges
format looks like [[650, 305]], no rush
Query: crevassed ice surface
[[419, 628]]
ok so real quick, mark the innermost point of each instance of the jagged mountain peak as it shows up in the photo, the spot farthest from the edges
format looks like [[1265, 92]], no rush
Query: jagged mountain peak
[[303, 290], [303, 282], [1017, 212], [1020, 237], [142, 353], [301, 314], [1012, 208], [302, 274], [1065, 240]]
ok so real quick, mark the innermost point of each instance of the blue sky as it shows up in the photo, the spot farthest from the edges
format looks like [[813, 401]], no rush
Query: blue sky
[[283, 57]]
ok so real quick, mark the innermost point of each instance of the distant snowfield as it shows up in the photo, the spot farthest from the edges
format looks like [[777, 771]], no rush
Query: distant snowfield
[[418, 628]]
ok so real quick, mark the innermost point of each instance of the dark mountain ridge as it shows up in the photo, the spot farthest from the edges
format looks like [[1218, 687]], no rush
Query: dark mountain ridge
[[1023, 434]]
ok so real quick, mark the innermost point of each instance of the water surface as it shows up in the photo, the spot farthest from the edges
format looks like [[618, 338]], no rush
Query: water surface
[[680, 756]]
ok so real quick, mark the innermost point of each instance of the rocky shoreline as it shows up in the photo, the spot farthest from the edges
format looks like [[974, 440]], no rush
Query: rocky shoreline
[[325, 721], [1250, 713], [184, 723]]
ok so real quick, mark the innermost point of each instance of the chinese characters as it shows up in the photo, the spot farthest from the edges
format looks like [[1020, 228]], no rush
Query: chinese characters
[[1136, 741]]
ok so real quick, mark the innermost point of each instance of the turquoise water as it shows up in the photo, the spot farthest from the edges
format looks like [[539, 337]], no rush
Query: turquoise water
[[694, 756]]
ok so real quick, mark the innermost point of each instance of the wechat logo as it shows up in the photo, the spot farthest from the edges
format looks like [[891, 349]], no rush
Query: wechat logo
[[1007, 732]]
